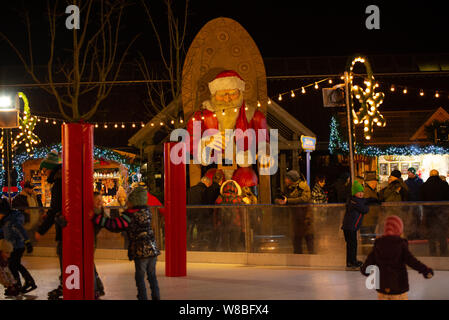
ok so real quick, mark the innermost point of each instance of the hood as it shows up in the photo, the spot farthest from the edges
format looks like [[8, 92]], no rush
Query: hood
[[230, 187]]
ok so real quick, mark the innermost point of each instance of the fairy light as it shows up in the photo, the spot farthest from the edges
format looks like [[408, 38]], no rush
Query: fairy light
[[258, 104], [143, 125], [404, 91], [181, 121], [437, 95], [280, 98], [392, 89], [292, 94], [316, 85], [116, 126], [123, 126], [46, 120], [269, 101], [105, 126], [330, 81], [173, 121], [303, 91], [152, 124], [133, 125]]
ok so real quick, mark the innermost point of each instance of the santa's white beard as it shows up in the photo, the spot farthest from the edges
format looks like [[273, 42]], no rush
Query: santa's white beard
[[227, 121]]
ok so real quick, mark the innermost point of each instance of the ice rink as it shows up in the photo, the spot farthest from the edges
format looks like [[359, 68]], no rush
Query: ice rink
[[235, 282]]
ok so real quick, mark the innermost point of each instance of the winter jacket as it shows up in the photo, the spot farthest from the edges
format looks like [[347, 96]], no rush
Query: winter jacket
[[12, 229], [298, 192], [356, 208], [55, 211], [414, 186], [391, 255], [389, 193], [197, 194], [137, 224], [212, 193], [434, 189], [372, 217], [318, 194]]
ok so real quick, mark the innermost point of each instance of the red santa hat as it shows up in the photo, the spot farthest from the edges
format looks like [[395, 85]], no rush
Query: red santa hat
[[393, 226], [227, 80]]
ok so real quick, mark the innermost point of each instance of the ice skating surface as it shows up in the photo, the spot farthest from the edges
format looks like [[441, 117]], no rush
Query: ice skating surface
[[235, 282]]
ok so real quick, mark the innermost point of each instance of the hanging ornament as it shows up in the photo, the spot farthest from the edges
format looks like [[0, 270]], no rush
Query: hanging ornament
[[369, 100], [27, 122]]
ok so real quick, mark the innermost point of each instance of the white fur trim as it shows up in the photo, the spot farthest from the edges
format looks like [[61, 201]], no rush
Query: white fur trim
[[227, 83]]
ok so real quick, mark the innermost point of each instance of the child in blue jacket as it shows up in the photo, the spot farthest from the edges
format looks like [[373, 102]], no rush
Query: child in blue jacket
[[12, 230], [356, 208]]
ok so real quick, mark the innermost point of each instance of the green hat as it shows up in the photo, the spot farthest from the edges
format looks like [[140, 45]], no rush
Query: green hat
[[356, 187], [51, 161], [138, 196]]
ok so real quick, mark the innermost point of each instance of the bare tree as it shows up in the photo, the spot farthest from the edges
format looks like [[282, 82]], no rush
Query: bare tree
[[95, 56], [172, 56]]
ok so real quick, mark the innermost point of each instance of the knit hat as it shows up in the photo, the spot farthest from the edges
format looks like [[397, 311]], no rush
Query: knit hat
[[6, 246], [138, 196], [396, 173], [393, 226], [51, 161], [412, 170], [293, 175], [227, 80], [357, 187]]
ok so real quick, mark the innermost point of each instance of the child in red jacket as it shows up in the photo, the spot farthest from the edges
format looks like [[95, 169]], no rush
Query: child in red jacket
[[391, 255]]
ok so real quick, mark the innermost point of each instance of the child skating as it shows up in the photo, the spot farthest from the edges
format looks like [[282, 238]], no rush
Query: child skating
[[7, 280], [391, 255]]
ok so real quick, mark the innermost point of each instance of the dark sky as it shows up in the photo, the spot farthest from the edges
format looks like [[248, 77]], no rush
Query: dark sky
[[279, 28]]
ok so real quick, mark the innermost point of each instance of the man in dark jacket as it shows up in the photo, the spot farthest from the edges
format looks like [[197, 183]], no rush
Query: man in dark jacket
[[53, 169], [435, 217], [340, 191], [195, 217], [414, 184], [396, 190]]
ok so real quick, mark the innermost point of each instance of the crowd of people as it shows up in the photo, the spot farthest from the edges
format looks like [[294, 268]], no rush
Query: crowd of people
[[135, 220]]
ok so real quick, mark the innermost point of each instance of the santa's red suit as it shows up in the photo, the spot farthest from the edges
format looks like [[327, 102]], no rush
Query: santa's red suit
[[228, 80]]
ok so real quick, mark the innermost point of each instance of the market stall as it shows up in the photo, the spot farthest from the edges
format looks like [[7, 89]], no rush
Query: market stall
[[112, 172]]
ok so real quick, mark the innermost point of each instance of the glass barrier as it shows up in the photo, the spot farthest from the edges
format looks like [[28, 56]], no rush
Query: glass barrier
[[302, 229]]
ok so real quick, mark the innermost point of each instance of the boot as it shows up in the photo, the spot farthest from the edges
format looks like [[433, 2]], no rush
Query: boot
[[28, 286], [55, 294]]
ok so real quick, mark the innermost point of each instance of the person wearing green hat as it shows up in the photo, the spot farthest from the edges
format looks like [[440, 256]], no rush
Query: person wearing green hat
[[356, 208]]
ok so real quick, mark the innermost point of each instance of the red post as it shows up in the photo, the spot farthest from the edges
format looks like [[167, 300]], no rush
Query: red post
[[77, 204], [175, 215]]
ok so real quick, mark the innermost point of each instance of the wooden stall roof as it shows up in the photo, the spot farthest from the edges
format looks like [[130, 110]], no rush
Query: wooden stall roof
[[403, 127], [277, 118]]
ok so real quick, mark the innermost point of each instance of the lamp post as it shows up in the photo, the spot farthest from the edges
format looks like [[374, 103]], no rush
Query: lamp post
[[9, 119]]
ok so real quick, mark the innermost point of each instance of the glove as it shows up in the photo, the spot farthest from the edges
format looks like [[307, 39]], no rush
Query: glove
[[428, 274], [29, 246]]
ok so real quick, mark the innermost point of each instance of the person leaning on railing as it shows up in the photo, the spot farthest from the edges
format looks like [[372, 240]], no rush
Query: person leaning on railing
[[298, 192]]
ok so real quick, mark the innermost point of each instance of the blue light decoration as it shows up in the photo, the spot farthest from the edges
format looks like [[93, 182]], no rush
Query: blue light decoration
[[41, 153], [338, 146]]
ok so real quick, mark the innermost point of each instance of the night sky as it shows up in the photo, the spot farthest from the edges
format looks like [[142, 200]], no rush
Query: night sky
[[279, 28]]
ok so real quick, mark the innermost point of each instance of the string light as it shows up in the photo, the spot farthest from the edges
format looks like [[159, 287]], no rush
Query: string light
[[303, 91], [280, 98], [182, 121], [123, 126], [437, 95], [172, 122], [330, 81], [269, 101], [143, 125], [293, 94], [133, 125], [421, 92], [392, 89], [258, 103], [404, 91], [116, 125], [105, 126], [152, 124], [316, 85]]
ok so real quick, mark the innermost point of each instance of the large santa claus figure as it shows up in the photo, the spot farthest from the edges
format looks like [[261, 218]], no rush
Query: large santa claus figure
[[227, 109]]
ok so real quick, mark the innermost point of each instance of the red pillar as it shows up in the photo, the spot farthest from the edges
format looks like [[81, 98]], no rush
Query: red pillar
[[175, 215], [77, 205]]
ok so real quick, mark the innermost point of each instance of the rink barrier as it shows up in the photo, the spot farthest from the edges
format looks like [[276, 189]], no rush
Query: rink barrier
[[328, 237]]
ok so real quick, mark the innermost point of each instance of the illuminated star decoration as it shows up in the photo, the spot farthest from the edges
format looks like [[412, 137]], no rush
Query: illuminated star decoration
[[369, 100], [26, 125]]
